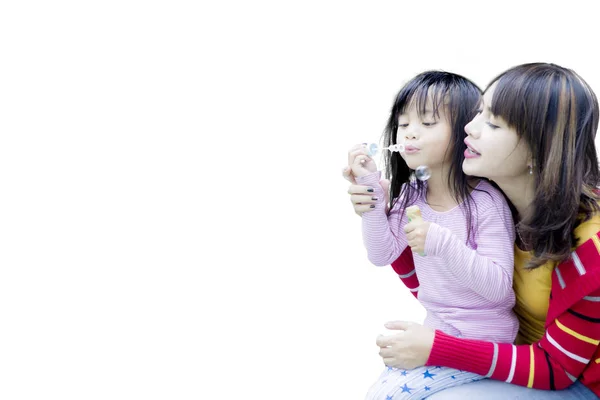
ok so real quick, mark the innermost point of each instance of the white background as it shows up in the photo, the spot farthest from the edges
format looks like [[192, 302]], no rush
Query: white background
[[173, 221]]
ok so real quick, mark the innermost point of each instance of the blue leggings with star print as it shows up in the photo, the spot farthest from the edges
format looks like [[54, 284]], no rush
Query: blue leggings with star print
[[418, 383]]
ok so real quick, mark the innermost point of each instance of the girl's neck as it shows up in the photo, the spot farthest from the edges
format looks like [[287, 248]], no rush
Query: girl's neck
[[520, 190], [439, 196]]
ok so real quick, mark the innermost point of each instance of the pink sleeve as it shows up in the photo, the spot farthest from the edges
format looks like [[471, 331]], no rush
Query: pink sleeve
[[383, 235], [405, 268], [492, 261]]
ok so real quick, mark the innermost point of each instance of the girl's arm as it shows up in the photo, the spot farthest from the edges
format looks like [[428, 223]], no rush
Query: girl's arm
[[487, 270], [382, 234], [404, 265]]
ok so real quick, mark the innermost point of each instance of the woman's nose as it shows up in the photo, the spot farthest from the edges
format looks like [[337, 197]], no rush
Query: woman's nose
[[473, 128]]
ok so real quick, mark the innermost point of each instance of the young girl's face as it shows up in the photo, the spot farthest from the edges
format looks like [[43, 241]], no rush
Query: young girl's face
[[426, 137], [494, 150]]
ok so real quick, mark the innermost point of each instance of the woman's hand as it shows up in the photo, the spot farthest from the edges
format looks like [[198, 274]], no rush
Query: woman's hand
[[360, 196], [407, 349], [362, 199]]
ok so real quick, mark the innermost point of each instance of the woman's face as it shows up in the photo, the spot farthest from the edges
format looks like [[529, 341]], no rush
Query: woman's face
[[494, 150]]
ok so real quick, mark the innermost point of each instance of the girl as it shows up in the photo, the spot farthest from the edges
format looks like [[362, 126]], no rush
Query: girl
[[534, 137], [466, 232]]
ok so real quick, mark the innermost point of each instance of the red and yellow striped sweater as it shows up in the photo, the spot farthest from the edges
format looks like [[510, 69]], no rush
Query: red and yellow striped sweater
[[569, 349]]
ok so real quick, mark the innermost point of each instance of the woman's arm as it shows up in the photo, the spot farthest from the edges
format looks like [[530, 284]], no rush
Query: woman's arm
[[569, 345], [405, 268], [554, 363]]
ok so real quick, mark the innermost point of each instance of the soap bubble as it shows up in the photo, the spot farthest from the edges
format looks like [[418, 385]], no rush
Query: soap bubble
[[372, 149], [423, 172]]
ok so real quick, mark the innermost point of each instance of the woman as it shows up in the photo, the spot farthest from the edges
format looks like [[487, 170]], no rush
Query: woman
[[533, 137]]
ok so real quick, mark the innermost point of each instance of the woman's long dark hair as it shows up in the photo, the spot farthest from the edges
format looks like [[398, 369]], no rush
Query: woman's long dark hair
[[555, 111], [460, 99]]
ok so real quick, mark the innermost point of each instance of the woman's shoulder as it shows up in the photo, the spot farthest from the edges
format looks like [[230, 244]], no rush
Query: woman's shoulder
[[588, 230], [586, 252], [579, 275]]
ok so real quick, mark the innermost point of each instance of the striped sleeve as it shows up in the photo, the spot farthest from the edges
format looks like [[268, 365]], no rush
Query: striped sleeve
[[383, 235], [553, 363], [488, 269], [405, 268]]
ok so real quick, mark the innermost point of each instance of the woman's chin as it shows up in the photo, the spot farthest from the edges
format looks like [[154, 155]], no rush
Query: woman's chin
[[469, 168]]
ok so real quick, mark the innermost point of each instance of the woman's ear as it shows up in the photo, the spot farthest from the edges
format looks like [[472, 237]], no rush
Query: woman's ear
[[530, 164]]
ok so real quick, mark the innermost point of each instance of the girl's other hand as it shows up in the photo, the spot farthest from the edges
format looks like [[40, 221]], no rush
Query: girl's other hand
[[416, 234]]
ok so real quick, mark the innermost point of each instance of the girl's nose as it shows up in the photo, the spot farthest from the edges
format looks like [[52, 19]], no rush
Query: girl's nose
[[410, 133]]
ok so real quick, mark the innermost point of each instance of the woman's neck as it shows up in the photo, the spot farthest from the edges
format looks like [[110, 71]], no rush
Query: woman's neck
[[520, 190]]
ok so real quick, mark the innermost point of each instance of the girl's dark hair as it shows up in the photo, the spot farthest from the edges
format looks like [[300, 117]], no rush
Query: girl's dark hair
[[555, 111], [460, 98]]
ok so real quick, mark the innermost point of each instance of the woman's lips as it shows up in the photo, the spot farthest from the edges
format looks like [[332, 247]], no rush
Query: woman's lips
[[470, 152]]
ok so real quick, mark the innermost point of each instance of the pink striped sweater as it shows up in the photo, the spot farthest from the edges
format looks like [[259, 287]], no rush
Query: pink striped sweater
[[465, 285]]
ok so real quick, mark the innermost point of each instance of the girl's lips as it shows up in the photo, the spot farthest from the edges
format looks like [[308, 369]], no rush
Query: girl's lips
[[409, 149]]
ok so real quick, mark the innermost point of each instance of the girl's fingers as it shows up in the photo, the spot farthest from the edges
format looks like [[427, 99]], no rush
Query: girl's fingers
[[360, 160], [359, 146], [355, 153], [347, 174]]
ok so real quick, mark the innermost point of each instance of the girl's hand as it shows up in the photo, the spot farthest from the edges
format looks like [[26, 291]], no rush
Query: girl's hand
[[416, 234], [360, 163], [347, 174], [409, 348]]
